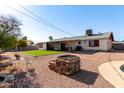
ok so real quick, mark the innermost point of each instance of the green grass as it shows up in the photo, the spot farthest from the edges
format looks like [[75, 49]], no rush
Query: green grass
[[41, 52]]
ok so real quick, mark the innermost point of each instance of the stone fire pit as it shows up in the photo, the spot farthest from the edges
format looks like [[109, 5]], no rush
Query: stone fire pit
[[65, 64]]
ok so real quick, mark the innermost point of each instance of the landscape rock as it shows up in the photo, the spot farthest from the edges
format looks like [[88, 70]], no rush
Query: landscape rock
[[5, 85], [6, 77], [4, 57], [5, 64], [17, 56]]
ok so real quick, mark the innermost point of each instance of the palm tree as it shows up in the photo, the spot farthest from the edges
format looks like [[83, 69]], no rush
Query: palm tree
[[50, 38]]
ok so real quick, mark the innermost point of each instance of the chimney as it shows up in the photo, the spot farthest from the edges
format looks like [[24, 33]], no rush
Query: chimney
[[89, 32]]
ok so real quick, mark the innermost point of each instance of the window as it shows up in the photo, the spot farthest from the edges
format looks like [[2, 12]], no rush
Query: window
[[85, 42], [41, 45], [94, 43], [79, 42]]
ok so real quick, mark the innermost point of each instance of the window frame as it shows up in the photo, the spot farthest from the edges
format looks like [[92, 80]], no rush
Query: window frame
[[93, 43], [41, 45]]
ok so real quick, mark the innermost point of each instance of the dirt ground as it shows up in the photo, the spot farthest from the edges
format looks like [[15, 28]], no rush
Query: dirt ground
[[88, 76]]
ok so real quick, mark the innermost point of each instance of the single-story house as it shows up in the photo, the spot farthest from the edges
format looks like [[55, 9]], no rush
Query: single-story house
[[100, 41]]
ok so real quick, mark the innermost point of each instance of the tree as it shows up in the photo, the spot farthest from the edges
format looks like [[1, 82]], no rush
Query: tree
[[50, 38], [30, 42], [25, 38], [22, 42], [9, 32], [10, 25], [8, 42]]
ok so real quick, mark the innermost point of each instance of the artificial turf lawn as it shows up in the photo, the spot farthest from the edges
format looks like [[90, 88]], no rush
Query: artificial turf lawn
[[41, 52]]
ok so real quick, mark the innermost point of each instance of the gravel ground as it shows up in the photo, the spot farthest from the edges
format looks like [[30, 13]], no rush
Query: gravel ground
[[88, 76]]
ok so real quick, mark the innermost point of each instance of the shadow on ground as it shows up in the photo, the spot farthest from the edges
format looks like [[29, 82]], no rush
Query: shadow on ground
[[90, 52], [87, 52], [86, 77], [117, 51]]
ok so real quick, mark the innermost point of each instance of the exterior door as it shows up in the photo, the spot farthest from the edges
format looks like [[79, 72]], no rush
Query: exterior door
[[63, 46]]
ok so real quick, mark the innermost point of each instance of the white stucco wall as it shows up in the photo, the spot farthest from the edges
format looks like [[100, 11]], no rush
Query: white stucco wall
[[109, 44], [73, 44], [44, 46], [104, 44]]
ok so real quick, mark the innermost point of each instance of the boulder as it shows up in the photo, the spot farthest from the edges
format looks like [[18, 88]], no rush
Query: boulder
[[6, 80], [65, 64], [4, 64], [4, 57], [6, 77], [17, 56], [5, 85]]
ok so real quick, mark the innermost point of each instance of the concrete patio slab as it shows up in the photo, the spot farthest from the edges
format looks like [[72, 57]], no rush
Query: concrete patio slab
[[112, 73]]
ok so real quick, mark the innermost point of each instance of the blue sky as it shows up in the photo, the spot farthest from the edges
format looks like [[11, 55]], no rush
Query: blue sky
[[74, 19]]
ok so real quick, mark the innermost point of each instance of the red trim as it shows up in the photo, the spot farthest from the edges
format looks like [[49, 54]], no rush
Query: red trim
[[97, 43], [90, 43]]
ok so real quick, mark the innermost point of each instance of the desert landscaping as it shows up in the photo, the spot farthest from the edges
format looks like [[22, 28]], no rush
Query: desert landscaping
[[87, 76]]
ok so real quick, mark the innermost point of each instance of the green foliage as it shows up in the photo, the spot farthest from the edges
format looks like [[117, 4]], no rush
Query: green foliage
[[7, 41], [50, 38], [25, 38], [22, 42], [9, 32], [31, 42]]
